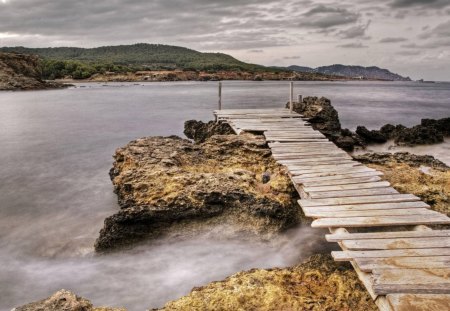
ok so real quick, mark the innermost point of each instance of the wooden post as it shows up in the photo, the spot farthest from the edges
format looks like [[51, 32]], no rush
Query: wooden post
[[291, 97], [300, 98], [220, 95]]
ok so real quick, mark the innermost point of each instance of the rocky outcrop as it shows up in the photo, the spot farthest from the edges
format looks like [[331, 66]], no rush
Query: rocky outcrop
[[318, 284], [413, 160], [200, 131], [63, 300], [429, 131], [21, 72], [167, 182], [324, 118]]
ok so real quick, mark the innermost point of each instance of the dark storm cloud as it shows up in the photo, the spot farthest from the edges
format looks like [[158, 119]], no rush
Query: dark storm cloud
[[420, 3], [323, 16], [393, 40]]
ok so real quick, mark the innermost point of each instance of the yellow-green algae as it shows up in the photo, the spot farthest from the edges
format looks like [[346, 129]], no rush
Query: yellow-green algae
[[317, 284]]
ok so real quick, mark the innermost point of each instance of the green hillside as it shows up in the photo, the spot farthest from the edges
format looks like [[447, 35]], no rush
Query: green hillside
[[82, 63]]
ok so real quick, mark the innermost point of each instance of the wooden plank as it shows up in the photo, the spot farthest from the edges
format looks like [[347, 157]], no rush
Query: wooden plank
[[369, 264], [343, 181], [305, 172], [317, 159], [347, 186], [418, 302], [314, 213], [417, 252], [313, 180], [416, 281], [387, 235], [298, 154], [390, 198], [307, 167], [351, 193], [397, 243], [381, 221]]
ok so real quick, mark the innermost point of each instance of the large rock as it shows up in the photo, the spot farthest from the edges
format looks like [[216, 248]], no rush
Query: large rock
[[167, 182], [413, 160], [321, 114], [200, 131], [22, 72], [62, 300], [371, 136]]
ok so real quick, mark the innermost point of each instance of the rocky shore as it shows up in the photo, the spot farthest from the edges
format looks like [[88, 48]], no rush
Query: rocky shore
[[22, 72], [324, 118], [169, 186]]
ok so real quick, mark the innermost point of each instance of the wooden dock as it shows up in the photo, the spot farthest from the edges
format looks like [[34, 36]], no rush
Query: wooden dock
[[404, 264]]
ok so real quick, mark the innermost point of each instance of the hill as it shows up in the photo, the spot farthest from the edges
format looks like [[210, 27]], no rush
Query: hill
[[83, 62], [358, 72]]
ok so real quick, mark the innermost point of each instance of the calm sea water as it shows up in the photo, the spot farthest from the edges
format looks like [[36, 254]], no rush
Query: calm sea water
[[56, 149]]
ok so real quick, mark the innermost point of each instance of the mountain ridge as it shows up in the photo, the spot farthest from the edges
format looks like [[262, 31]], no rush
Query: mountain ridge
[[353, 71]]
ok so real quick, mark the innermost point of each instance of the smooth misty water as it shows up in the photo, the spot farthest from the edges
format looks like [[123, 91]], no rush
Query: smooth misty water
[[56, 149]]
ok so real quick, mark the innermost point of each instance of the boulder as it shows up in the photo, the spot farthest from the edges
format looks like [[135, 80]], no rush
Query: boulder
[[62, 300], [371, 136]]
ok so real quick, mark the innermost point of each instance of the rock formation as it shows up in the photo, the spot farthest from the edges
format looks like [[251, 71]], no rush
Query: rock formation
[[165, 182], [21, 72], [63, 300]]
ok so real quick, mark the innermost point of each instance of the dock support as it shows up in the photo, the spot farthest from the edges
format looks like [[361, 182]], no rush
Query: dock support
[[220, 95], [291, 97], [300, 98]]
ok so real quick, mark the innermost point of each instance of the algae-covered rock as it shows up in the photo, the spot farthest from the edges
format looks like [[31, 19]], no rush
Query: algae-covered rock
[[318, 284], [164, 182]]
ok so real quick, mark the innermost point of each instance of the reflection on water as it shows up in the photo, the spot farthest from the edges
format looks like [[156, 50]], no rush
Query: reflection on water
[[56, 149]]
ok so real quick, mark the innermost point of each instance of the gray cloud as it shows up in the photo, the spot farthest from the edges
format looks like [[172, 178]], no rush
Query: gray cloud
[[323, 16], [393, 40], [358, 31], [358, 45], [292, 57]]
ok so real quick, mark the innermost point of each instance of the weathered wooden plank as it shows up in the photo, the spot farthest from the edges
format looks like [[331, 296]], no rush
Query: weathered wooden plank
[[368, 185], [397, 243], [337, 173], [381, 221], [343, 176], [331, 160], [413, 252], [314, 213], [304, 171], [416, 281], [295, 139], [343, 181], [299, 154], [418, 302], [351, 193], [308, 167], [369, 264], [391, 198], [387, 235]]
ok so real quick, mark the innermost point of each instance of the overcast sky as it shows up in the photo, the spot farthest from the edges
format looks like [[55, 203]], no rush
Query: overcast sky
[[410, 37]]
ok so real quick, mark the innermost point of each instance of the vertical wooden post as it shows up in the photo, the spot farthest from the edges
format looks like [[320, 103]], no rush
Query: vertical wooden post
[[220, 95], [300, 98], [291, 97]]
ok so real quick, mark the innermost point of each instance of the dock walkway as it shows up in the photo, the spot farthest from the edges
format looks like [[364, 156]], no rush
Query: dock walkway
[[402, 268]]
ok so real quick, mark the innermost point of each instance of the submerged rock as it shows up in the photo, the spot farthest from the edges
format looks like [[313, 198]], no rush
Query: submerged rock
[[318, 284], [164, 182], [22, 72], [371, 136], [200, 131], [63, 300]]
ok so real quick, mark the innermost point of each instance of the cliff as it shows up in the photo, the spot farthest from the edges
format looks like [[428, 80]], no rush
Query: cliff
[[22, 72]]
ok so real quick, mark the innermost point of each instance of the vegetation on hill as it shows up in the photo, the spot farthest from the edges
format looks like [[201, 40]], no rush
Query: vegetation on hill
[[81, 63]]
